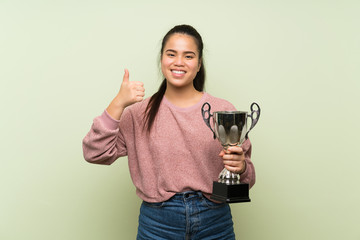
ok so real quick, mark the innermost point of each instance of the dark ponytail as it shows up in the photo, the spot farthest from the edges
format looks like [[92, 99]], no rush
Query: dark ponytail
[[199, 80]]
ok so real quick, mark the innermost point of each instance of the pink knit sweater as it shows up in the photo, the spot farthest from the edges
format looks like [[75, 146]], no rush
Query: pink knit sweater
[[179, 154]]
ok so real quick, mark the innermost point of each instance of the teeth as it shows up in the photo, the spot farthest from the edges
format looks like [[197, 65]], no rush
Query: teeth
[[178, 72]]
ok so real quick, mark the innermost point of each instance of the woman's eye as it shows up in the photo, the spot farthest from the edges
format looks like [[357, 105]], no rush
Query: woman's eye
[[170, 55], [189, 57]]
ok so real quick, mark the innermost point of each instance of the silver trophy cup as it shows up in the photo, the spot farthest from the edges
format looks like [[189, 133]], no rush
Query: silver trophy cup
[[231, 129]]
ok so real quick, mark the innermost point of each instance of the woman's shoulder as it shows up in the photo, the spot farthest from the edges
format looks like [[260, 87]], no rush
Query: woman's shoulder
[[219, 104]]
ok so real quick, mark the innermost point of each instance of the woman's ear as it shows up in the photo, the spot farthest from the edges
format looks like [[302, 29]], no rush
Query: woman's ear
[[199, 65]]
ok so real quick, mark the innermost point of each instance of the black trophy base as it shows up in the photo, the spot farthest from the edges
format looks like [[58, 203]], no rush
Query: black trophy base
[[230, 193]]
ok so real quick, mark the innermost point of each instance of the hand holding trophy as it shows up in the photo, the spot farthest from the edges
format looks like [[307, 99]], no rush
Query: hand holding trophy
[[230, 128]]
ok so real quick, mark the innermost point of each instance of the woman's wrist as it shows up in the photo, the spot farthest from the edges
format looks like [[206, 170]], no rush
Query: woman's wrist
[[244, 168], [115, 108]]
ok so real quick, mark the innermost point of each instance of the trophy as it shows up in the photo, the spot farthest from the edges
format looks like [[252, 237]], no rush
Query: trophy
[[230, 128]]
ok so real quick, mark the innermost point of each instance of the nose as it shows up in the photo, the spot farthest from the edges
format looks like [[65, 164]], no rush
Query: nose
[[179, 61]]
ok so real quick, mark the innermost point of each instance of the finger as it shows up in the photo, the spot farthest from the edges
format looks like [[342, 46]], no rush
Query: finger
[[231, 157], [234, 157], [126, 76], [140, 94], [139, 88], [139, 98], [233, 162], [232, 169], [236, 150], [137, 83]]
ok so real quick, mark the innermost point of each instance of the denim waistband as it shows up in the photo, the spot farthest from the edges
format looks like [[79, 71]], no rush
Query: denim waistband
[[188, 194]]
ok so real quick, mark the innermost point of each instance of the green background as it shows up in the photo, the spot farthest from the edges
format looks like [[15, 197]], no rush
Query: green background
[[61, 63]]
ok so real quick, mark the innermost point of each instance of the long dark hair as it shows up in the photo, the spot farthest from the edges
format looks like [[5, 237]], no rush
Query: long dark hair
[[198, 82]]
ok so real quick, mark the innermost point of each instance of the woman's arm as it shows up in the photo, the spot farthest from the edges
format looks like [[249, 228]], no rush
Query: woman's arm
[[104, 143]]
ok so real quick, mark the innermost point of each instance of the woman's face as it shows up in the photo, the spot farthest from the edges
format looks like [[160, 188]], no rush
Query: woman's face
[[180, 61]]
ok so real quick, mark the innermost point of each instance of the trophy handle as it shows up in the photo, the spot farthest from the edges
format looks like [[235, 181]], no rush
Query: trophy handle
[[255, 115], [207, 115]]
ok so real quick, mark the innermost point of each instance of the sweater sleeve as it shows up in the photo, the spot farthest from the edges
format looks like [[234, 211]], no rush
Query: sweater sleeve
[[103, 144], [249, 175]]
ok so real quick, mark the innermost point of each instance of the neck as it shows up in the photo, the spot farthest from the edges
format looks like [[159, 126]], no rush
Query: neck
[[183, 97]]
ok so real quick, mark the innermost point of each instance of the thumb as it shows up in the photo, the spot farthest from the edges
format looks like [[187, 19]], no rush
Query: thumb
[[222, 153], [126, 76]]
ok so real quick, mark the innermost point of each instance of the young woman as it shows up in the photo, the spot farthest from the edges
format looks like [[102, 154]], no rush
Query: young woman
[[173, 158]]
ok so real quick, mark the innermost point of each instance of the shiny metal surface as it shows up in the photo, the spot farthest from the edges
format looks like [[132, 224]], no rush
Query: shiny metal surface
[[231, 129]]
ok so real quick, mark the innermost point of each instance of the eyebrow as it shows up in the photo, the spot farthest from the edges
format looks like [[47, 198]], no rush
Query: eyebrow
[[186, 52]]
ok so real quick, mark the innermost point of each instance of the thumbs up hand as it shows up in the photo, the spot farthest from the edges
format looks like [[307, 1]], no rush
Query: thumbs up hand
[[130, 92]]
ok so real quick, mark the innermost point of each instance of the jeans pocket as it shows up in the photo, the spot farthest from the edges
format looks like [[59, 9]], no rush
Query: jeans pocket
[[154, 205], [210, 204]]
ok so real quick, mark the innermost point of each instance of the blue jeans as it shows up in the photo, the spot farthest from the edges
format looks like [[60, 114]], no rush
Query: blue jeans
[[185, 216]]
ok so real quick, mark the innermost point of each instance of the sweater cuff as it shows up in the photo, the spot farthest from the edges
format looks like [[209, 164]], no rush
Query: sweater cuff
[[244, 174], [109, 122]]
